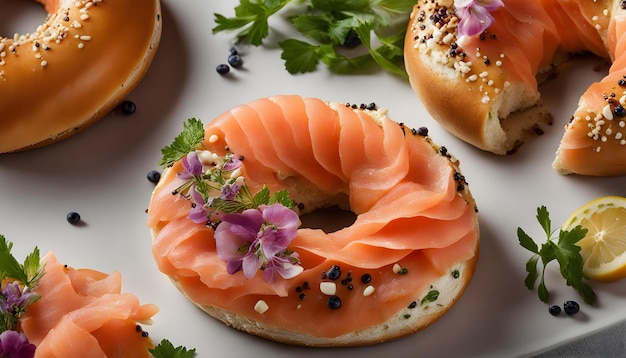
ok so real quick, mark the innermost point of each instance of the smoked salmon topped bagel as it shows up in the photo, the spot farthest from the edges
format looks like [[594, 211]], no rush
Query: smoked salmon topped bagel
[[227, 220], [74, 68], [476, 66]]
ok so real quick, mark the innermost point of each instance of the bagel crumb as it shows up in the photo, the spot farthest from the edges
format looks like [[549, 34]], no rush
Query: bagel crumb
[[261, 306]]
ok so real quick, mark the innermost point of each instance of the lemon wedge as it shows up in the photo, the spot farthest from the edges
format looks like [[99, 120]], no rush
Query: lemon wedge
[[603, 249]]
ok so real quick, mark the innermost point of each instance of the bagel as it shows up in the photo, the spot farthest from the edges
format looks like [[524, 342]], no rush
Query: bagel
[[74, 69], [484, 88], [401, 264]]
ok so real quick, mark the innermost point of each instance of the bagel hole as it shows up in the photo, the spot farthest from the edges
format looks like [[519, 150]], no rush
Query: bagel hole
[[21, 17], [328, 219]]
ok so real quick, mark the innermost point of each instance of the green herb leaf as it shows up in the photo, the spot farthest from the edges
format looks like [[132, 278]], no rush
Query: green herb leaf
[[165, 349], [28, 273], [431, 296], [299, 56], [384, 55], [564, 251], [187, 141], [281, 197], [252, 16], [261, 197], [328, 23], [526, 241]]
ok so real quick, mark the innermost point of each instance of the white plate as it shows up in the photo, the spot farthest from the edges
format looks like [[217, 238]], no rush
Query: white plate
[[101, 173]]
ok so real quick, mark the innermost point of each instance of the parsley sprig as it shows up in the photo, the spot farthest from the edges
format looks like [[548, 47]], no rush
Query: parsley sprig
[[185, 142], [328, 26], [564, 250], [165, 349], [28, 273]]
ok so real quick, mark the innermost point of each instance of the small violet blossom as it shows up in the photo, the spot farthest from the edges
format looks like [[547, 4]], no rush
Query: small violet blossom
[[230, 191], [201, 209], [233, 162], [14, 300], [15, 345], [191, 166], [258, 239], [475, 15]]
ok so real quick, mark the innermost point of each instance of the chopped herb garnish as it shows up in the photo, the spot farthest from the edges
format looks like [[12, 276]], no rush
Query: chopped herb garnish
[[564, 251], [27, 273], [431, 296], [165, 349], [331, 26], [221, 199], [16, 284], [187, 141]]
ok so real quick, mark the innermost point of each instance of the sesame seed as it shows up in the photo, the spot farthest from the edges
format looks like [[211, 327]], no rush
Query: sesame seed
[[44, 63], [261, 306], [607, 112], [84, 17], [213, 138], [396, 268], [85, 38], [368, 290], [81, 45]]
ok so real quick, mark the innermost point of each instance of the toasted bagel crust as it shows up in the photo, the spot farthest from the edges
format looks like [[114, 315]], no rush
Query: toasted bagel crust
[[74, 69], [484, 88]]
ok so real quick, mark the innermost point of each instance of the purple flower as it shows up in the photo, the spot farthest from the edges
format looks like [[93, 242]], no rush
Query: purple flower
[[230, 191], [285, 265], [201, 209], [258, 239], [191, 166], [233, 162], [15, 345], [475, 15], [13, 299]]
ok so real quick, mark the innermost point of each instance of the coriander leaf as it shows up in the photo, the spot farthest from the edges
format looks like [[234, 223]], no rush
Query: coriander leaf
[[187, 141], [526, 241], [282, 197], [543, 216], [335, 6], [29, 273], [299, 56], [33, 268], [165, 349], [261, 197], [564, 251], [9, 267], [395, 7], [314, 26], [542, 291], [364, 31], [533, 274], [252, 18]]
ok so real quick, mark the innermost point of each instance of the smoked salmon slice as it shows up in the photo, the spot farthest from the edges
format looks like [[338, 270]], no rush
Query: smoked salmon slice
[[83, 313], [413, 211]]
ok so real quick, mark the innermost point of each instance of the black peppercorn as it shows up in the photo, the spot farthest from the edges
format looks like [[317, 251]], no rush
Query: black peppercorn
[[222, 69], [153, 176], [333, 273], [73, 217], [334, 302], [554, 310], [128, 107], [571, 307], [366, 278]]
